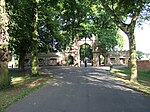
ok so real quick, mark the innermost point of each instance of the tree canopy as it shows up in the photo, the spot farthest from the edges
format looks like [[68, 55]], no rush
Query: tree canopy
[[59, 22]]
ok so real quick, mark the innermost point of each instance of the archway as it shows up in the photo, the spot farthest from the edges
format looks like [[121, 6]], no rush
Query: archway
[[85, 48], [70, 60], [102, 60], [86, 55]]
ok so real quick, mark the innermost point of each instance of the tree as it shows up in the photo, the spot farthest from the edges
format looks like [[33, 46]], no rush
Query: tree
[[139, 54], [73, 15], [50, 36], [24, 30], [37, 5], [20, 29], [107, 31], [119, 10], [84, 18], [98, 22], [4, 54]]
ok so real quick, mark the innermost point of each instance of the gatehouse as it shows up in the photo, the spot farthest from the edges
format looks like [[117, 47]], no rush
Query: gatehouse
[[71, 56]]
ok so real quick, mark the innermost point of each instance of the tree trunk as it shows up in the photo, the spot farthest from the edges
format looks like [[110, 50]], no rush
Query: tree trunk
[[21, 61], [133, 65], [4, 38], [35, 63], [4, 75]]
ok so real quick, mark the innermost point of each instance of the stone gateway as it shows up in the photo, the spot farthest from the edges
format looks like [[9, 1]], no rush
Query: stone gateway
[[71, 56]]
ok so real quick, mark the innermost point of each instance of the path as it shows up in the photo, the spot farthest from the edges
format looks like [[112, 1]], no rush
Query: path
[[82, 90]]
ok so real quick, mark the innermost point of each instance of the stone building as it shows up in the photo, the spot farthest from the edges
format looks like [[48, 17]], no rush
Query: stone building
[[46, 59], [117, 57], [71, 56]]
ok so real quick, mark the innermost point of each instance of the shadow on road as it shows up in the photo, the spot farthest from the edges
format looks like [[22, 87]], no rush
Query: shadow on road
[[82, 90]]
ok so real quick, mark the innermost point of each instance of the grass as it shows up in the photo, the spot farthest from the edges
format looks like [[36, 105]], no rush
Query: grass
[[22, 85], [143, 84]]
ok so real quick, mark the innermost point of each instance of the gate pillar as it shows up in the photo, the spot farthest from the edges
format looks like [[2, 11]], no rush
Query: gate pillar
[[96, 59]]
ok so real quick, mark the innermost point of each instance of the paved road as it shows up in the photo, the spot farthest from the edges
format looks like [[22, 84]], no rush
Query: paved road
[[82, 90]]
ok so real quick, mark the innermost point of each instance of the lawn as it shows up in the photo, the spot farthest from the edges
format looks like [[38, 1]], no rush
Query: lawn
[[22, 84], [143, 84]]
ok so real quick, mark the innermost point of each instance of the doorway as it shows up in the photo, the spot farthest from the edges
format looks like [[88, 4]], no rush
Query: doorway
[[86, 55]]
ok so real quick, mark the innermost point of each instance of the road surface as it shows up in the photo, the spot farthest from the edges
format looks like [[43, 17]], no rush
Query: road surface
[[82, 90]]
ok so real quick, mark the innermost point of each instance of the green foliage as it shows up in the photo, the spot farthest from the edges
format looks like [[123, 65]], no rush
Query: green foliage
[[60, 21], [104, 28], [107, 39], [119, 11], [21, 14], [20, 26], [73, 15], [49, 26], [86, 51], [84, 18], [125, 7], [128, 10], [139, 54]]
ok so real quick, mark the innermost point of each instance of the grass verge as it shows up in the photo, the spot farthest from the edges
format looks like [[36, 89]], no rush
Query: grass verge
[[22, 85], [143, 84]]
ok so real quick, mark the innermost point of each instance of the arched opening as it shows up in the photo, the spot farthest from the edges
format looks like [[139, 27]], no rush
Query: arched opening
[[102, 60], [86, 55], [70, 60]]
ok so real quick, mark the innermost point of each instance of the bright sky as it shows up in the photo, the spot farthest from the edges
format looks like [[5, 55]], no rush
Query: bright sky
[[142, 36]]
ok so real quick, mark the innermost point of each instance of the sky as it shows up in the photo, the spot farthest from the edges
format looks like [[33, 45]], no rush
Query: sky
[[142, 36]]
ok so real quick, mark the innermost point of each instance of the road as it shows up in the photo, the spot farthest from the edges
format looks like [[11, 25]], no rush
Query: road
[[82, 90]]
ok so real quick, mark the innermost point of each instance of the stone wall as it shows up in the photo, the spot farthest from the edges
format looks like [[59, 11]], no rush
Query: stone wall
[[142, 65], [117, 57], [46, 59]]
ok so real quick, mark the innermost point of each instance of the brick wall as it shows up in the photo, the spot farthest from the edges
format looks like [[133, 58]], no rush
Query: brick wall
[[143, 65]]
